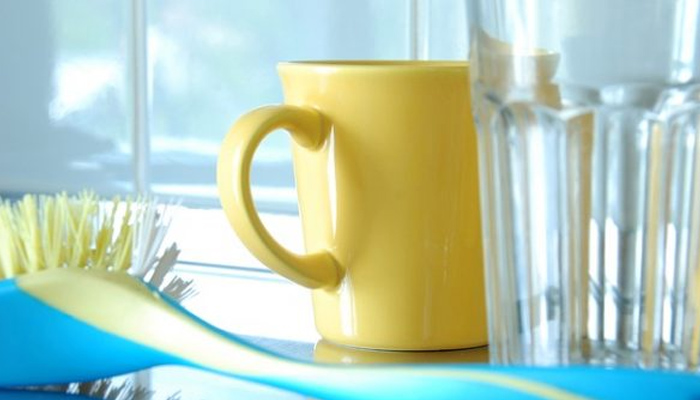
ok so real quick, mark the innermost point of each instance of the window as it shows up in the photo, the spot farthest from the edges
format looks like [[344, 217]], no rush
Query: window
[[130, 96]]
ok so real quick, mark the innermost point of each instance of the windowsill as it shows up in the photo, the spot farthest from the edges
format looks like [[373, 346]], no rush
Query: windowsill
[[256, 304], [236, 292], [205, 237]]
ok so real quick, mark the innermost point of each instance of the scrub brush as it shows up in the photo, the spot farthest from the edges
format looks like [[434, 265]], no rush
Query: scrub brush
[[44, 232], [68, 323], [36, 233]]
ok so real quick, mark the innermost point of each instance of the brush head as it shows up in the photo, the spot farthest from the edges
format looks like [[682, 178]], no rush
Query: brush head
[[38, 233], [84, 231]]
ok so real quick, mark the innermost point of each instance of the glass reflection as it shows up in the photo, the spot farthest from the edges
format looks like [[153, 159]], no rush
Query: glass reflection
[[327, 352]]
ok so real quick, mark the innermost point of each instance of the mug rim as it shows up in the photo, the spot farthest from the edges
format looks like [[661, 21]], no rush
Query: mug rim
[[375, 65]]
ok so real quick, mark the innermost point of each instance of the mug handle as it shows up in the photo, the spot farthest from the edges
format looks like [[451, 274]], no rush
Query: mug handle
[[309, 129]]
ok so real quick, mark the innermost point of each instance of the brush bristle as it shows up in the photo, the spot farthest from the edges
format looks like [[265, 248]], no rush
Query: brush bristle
[[83, 231]]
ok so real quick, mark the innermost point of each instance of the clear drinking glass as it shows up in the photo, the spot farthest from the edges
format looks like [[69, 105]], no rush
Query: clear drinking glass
[[588, 113]]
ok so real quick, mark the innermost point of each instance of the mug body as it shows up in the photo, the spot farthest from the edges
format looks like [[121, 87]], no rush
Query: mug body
[[393, 194]]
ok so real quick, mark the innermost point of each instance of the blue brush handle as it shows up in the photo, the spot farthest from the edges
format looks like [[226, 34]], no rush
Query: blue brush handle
[[42, 345]]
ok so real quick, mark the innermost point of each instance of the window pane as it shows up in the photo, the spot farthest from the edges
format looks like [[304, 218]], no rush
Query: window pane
[[447, 30], [62, 97], [211, 61]]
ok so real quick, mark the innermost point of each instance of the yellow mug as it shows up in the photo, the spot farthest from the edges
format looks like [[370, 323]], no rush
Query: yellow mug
[[385, 164]]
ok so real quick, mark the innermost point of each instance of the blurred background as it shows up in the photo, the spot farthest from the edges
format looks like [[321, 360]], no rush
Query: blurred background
[[128, 97]]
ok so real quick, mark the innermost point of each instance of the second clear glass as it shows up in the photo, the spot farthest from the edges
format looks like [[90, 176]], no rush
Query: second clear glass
[[588, 115]]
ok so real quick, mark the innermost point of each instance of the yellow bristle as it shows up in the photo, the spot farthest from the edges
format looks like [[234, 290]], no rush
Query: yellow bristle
[[103, 239], [27, 225], [62, 231], [123, 250], [73, 245], [52, 230], [9, 265], [84, 235], [59, 227], [66, 230], [122, 245]]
